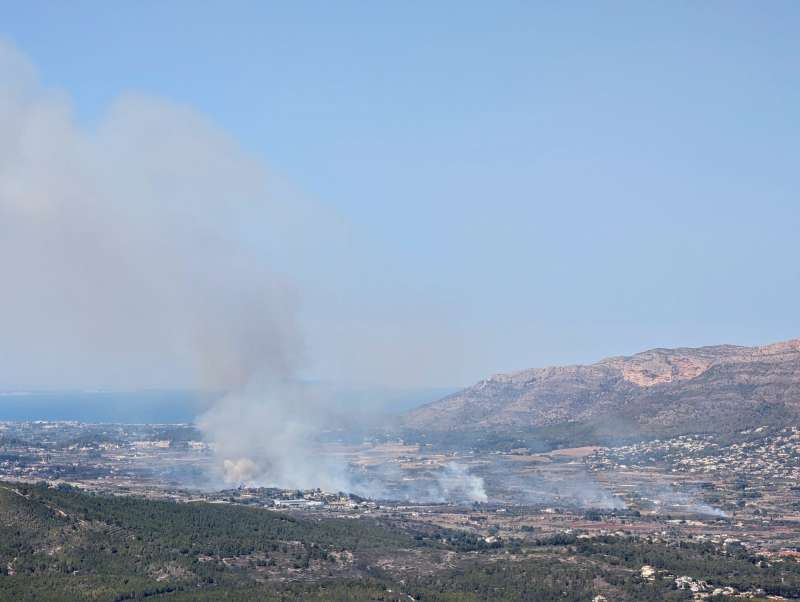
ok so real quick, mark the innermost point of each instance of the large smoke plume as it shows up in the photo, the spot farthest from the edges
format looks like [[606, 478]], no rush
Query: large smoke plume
[[141, 250], [265, 434], [147, 249]]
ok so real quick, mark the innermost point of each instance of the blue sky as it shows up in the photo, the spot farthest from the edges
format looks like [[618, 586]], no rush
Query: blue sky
[[533, 183]]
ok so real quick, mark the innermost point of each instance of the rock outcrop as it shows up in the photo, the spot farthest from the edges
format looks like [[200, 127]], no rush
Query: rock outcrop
[[709, 389]]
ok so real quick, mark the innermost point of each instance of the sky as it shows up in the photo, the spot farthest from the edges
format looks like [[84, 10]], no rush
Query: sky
[[475, 187]]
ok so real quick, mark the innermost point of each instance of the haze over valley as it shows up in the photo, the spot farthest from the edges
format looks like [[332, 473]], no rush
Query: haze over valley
[[399, 302]]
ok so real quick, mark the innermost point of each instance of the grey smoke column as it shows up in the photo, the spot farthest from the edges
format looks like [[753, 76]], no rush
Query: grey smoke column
[[141, 252], [264, 434]]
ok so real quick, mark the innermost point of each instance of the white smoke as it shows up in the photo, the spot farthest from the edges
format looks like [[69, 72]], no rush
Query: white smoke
[[242, 470], [265, 434], [149, 250], [140, 251], [451, 482], [456, 482], [669, 499], [126, 242]]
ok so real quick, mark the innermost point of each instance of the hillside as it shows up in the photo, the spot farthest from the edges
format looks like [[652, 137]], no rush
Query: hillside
[[58, 544], [659, 391]]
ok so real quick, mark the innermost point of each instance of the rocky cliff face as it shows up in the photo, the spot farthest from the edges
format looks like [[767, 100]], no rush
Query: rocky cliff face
[[672, 390]]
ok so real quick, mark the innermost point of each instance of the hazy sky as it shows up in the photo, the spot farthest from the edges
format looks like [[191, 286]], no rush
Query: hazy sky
[[482, 186]]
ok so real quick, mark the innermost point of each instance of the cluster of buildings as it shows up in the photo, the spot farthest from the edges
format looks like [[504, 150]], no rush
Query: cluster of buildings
[[289, 499], [762, 453], [700, 589], [102, 455]]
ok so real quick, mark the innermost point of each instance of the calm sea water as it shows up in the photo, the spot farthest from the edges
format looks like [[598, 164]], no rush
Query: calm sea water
[[171, 406], [103, 406]]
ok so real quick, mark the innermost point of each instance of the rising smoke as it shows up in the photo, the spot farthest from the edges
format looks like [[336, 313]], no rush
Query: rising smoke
[[122, 242], [456, 482], [141, 251], [148, 249], [265, 434]]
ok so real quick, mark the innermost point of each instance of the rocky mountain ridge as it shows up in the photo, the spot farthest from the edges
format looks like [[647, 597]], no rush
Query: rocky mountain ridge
[[661, 390]]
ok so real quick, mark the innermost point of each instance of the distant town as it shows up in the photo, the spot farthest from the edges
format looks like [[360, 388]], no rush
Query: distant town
[[739, 487]]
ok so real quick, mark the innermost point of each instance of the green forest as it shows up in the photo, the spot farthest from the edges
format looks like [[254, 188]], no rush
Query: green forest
[[58, 544]]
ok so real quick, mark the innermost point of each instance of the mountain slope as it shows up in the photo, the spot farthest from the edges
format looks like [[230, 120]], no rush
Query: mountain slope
[[662, 390], [58, 544]]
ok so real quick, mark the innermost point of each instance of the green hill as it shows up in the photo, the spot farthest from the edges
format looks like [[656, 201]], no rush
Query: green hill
[[57, 544]]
